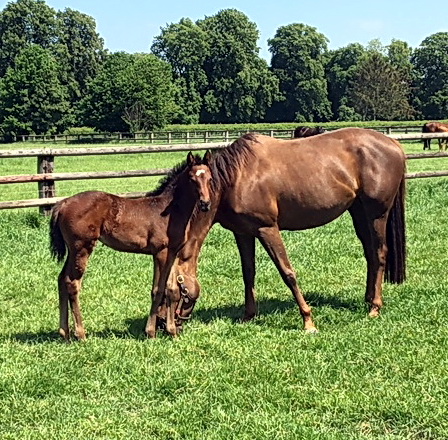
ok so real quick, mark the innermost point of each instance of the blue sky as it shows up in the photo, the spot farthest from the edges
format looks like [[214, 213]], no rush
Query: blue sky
[[131, 25]]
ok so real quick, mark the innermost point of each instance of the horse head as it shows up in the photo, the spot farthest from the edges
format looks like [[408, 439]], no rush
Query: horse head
[[200, 176]]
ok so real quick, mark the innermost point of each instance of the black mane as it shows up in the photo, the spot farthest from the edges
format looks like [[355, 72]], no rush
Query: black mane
[[226, 162]]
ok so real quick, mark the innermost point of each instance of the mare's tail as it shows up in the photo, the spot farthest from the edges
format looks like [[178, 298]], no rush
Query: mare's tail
[[57, 243], [395, 271]]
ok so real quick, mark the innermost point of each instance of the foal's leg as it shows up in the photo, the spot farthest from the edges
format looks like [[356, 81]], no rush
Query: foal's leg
[[246, 247], [164, 260], [271, 240], [71, 281], [155, 285], [64, 329]]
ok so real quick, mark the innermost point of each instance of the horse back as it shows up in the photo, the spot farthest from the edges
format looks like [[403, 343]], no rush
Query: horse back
[[316, 178]]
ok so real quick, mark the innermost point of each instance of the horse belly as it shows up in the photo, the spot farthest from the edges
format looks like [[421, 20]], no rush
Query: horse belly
[[294, 216], [128, 240]]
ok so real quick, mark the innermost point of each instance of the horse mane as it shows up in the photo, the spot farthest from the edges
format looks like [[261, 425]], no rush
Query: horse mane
[[226, 162], [169, 181]]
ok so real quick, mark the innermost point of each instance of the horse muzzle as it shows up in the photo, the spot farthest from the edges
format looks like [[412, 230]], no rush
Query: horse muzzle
[[204, 205]]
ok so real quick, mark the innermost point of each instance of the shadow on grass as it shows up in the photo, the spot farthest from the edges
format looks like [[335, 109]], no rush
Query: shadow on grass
[[267, 307], [135, 326]]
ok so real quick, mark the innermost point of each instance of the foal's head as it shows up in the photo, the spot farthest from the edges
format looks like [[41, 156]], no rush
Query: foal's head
[[200, 176]]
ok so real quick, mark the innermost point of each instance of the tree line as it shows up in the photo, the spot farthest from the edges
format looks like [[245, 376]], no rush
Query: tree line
[[55, 73]]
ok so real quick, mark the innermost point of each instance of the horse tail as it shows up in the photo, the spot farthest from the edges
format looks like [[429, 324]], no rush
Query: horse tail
[[395, 271], [57, 243]]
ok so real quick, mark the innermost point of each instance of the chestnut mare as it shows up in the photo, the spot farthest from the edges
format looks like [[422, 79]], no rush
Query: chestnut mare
[[435, 127], [301, 132], [261, 185], [155, 225]]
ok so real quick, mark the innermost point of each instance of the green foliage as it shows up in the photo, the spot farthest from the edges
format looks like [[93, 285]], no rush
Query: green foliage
[[217, 68], [23, 23], [298, 62], [340, 69], [32, 98], [240, 86], [124, 81], [79, 50], [378, 91], [185, 46], [430, 62]]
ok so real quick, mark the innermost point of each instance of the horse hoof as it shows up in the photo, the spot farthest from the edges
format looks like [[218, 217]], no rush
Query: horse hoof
[[64, 334], [374, 313], [311, 331], [150, 334], [247, 318]]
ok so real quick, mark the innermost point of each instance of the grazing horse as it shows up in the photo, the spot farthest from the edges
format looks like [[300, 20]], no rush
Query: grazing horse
[[154, 224], [261, 185], [302, 132], [435, 127]]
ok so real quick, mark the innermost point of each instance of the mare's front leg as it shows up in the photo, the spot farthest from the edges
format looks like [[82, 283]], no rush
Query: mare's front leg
[[271, 240], [246, 248]]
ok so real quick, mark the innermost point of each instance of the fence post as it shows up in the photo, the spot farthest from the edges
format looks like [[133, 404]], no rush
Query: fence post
[[47, 188]]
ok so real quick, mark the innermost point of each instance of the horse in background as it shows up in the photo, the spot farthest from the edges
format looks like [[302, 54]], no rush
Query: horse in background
[[155, 224], [302, 131], [262, 185], [435, 127]]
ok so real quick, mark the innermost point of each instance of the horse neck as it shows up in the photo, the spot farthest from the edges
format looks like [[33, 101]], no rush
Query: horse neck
[[198, 228]]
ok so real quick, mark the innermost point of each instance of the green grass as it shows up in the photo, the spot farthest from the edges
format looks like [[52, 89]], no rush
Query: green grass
[[221, 379]]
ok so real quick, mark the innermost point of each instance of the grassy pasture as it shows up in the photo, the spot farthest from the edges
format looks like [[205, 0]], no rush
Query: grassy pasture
[[222, 379]]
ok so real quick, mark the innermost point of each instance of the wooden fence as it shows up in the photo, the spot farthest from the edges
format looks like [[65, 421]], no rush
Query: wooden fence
[[46, 178], [186, 137]]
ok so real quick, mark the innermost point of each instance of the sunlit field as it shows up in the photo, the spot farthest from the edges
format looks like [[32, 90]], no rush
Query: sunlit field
[[359, 378]]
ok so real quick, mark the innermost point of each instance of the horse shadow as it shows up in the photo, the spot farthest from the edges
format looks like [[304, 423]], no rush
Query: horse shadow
[[266, 308]]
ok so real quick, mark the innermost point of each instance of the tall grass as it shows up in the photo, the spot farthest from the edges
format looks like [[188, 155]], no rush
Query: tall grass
[[222, 379]]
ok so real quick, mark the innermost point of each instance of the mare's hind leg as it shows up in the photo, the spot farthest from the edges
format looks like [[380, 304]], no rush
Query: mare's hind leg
[[70, 283], [372, 234], [246, 247], [271, 240]]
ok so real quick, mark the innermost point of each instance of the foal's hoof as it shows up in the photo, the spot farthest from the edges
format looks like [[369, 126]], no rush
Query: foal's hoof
[[311, 331], [374, 312]]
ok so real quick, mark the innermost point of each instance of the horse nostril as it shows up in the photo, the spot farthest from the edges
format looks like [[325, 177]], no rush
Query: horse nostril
[[205, 206]]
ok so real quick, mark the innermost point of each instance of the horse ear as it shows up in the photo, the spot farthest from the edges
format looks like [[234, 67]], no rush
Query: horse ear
[[207, 157], [190, 159]]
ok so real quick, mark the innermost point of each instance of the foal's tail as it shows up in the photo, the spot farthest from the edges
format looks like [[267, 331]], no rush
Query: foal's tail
[[395, 271], [57, 243]]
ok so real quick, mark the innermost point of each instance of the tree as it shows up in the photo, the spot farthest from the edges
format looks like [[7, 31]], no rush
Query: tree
[[23, 23], [340, 69], [32, 98], [298, 62], [185, 46], [240, 87], [430, 62], [80, 50], [128, 83], [377, 91]]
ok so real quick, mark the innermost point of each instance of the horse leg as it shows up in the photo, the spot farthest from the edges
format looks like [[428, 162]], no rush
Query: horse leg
[[163, 263], [246, 248], [64, 329], [72, 280], [155, 282], [372, 234], [271, 240]]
